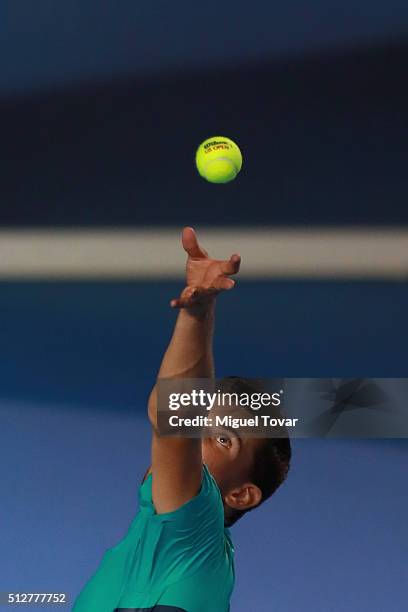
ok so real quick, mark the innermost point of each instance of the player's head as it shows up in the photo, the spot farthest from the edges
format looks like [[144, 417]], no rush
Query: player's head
[[247, 470]]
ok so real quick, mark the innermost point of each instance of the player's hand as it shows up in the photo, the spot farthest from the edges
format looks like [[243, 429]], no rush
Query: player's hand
[[205, 277]]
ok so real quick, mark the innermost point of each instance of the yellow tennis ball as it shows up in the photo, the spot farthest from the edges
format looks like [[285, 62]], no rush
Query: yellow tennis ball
[[218, 159]]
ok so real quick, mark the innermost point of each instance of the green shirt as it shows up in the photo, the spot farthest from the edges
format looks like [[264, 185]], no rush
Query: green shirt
[[181, 560]]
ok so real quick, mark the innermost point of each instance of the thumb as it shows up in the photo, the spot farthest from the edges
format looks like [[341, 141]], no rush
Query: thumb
[[190, 243]]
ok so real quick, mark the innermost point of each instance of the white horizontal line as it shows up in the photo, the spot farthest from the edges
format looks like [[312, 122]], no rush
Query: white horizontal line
[[157, 253]]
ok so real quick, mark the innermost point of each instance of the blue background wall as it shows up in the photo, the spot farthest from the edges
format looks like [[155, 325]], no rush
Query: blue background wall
[[52, 45], [78, 362]]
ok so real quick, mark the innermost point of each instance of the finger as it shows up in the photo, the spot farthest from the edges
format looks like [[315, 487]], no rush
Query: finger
[[190, 243], [183, 302], [185, 297], [193, 296], [232, 265], [223, 284]]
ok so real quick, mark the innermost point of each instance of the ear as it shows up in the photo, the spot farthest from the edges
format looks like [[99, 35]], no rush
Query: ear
[[245, 497]]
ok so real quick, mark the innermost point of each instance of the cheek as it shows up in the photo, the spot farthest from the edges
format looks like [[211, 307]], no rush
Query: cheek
[[218, 464], [209, 455]]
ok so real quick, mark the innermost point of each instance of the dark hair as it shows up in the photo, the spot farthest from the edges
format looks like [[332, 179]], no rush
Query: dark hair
[[272, 456]]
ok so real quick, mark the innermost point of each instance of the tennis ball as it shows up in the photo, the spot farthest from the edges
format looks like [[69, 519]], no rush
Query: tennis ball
[[218, 159]]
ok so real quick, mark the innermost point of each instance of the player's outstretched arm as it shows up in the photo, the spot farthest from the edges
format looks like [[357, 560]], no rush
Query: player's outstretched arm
[[176, 461]]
